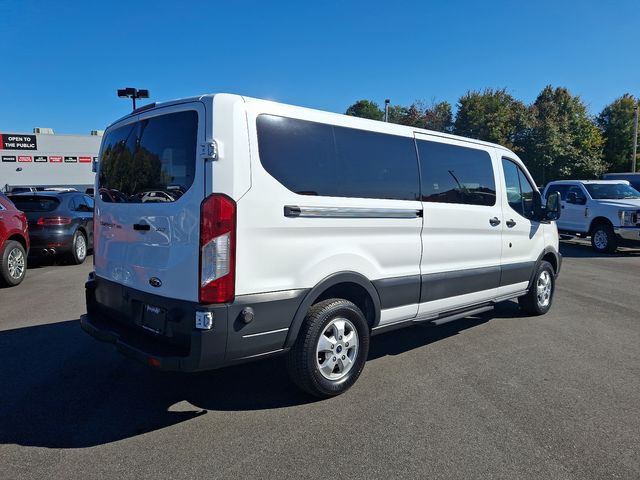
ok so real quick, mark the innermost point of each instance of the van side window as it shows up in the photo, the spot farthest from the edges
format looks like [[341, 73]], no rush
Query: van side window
[[453, 174], [311, 158], [518, 188]]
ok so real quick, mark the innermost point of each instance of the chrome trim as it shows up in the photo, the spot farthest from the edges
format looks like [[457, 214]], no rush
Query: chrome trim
[[510, 296], [263, 354], [294, 211], [628, 233], [265, 333]]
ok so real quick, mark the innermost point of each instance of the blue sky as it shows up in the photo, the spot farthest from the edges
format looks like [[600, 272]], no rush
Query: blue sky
[[63, 61]]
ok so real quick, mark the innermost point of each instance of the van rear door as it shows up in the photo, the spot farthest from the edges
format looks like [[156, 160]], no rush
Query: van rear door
[[150, 185]]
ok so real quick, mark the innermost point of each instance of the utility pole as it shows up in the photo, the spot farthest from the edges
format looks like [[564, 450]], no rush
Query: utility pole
[[386, 109], [635, 138]]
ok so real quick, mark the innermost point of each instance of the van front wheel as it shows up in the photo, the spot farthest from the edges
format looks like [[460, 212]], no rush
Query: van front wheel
[[538, 299], [331, 348]]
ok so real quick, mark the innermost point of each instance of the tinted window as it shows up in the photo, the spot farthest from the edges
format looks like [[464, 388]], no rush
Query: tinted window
[[74, 203], [6, 200], [34, 203], [518, 188], [614, 191], [452, 174], [88, 202], [562, 189], [312, 158], [577, 190], [157, 154]]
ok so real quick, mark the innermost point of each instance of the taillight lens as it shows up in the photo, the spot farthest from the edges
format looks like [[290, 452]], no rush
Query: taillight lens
[[54, 221], [217, 249]]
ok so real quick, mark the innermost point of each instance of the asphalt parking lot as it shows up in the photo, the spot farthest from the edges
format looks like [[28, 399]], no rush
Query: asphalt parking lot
[[498, 396]]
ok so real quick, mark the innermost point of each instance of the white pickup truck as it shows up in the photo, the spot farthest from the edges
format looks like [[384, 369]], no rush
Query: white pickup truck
[[608, 211]]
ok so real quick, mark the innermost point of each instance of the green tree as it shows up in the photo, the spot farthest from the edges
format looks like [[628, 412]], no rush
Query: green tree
[[616, 122], [563, 142], [438, 117], [365, 109], [493, 116]]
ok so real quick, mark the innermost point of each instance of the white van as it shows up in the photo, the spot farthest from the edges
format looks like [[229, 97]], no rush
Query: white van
[[286, 230]]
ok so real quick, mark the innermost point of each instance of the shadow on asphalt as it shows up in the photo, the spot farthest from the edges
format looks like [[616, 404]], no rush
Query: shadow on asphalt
[[584, 250], [63, 389]]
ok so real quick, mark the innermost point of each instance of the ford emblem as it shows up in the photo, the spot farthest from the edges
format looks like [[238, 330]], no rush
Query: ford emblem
[[155, 282]]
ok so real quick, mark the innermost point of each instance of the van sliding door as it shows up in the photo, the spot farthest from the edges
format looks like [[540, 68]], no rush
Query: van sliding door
[[461, 236]]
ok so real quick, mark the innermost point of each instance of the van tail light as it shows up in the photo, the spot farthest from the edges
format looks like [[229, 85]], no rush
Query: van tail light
[[217, 249], [54, 221]]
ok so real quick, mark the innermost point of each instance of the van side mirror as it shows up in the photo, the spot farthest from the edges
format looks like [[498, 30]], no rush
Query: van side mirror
[[552, 208]]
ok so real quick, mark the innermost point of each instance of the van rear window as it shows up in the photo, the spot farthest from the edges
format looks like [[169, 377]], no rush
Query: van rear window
[[149, 161]]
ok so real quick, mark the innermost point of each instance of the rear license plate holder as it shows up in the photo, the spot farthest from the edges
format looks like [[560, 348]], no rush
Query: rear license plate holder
[[154, 319]]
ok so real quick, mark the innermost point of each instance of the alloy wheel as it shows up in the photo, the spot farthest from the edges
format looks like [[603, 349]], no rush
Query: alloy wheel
[[543, 288], [16, 263], [337, 349]]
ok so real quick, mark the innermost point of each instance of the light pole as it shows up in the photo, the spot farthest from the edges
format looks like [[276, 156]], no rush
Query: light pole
[[635, 137], [386, 109], [133, 93]]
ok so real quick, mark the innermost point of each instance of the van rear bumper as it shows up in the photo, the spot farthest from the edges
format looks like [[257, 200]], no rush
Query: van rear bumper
[[155, 355], [116, 315]]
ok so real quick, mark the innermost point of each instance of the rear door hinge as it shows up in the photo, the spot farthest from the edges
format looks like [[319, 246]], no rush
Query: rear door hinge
[[209, 150]]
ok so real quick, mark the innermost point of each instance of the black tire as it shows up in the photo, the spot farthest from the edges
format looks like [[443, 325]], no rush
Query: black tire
[[303, 361], [603, 239], [13, 264], [532, 303], [78, 254]]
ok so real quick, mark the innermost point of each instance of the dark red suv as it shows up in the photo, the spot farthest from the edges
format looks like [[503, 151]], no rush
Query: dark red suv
[[14, 243]]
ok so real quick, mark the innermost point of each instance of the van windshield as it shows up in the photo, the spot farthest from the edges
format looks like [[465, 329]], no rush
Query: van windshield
[[149, 161], [611, 191]]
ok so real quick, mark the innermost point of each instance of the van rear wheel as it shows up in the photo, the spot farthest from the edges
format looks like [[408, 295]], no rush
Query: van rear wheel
[[331, 348]]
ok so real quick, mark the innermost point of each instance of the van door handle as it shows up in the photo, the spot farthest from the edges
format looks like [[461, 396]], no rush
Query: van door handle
[[141, 226], [495, 221], [511, 223]]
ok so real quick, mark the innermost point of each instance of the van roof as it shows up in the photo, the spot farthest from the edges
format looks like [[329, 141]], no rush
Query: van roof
[[364, 122]]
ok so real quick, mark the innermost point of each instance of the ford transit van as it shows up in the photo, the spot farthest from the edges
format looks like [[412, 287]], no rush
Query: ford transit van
[[230, 229]]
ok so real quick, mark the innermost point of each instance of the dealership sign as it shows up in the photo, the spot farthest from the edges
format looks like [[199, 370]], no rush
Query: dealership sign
[[12, 141]]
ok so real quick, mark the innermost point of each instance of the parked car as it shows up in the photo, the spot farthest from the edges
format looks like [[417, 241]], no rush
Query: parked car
[[632, 178], [305, 235], [608, 211], [14, 243], [60, 223]]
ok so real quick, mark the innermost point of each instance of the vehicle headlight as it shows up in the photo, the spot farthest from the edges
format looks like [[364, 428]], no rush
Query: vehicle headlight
[[628, 218]]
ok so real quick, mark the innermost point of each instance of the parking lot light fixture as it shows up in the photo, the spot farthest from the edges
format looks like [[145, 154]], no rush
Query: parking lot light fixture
[[133, 93]]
